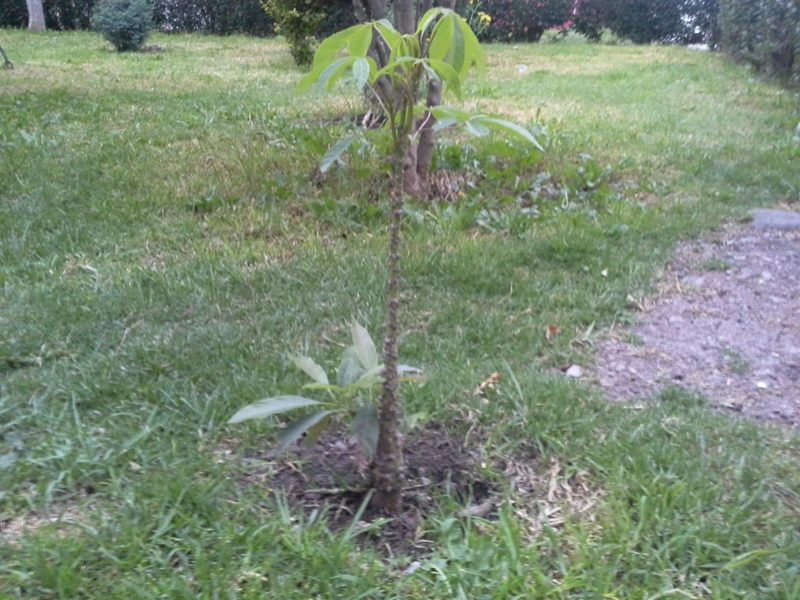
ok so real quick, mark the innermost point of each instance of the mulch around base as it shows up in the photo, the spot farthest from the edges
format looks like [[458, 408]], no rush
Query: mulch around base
[[332, 476]]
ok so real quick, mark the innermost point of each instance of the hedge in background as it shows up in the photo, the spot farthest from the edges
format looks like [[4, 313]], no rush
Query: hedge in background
[[204, 16], [645, 21], [764, 33], [523, 20]]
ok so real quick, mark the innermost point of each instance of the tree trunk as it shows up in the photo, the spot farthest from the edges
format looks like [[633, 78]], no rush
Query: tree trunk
[[35, 15], [387, 467], [405, 16]]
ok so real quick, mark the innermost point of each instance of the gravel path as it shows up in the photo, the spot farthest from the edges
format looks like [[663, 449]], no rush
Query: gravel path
[[725, 324]]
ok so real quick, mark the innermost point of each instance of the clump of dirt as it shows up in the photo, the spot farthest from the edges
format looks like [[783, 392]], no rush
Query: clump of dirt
[[333, 476], [725, 324]]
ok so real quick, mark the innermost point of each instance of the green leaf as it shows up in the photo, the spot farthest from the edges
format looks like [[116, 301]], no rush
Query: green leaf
[[310, 368], [291, 433], [350, 369], [366, 429], [448, 112], [361, 72], [429, 18], [315, 431], [447, 74], [458, 51], [476, 129], [441, 38], [473, 51], [334, 153], [387, 31], [335, 71], [271, 406], [391, 67], [508, 128], [364, 346], [351, 40], [361, 40]]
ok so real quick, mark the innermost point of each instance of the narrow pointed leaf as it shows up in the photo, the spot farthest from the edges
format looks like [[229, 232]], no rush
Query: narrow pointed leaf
[[476, 128], [508, 128], [335, 152], [271, 406], [364, 346], [310, 368], [361, 71], [291, 433]]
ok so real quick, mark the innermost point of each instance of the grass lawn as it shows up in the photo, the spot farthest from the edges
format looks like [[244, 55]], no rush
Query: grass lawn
[[164, 244]]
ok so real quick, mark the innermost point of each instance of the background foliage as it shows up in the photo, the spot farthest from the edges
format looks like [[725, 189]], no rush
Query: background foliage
[[523, 20], [764, 33], [205, 16], [124, 23], [645, 21]]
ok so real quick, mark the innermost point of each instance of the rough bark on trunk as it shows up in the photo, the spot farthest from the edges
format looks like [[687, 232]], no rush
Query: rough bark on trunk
[[387, 467], [35, 15]]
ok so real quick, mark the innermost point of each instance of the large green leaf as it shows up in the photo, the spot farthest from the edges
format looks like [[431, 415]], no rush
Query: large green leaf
[[290, 434], [364, 346], [429, 18], [473, 52], [350, 369], [366, 428], [354, 41], [387, 31], [441, 38], [335, 71], [271, 406], [447, 74], [335, 152], [507, 127], [310, 368], [360, 41], [361, 72]]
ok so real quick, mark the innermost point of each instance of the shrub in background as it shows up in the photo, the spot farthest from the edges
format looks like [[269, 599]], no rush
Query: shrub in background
[[302, 21], [523, 20], [763, 33], [124, 23]]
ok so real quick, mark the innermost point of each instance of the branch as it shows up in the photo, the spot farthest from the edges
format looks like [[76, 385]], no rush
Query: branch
[[7, 64]]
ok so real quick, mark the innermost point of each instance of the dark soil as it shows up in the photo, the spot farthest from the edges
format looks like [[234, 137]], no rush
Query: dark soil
[[332, 476], [725, 325]]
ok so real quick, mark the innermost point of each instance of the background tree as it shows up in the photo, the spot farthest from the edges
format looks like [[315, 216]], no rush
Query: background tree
[[35, 15]]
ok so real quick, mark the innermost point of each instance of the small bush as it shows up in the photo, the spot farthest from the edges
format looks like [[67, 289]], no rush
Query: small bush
[[764, 33], [301, 21], [124, 23], [523, 20]]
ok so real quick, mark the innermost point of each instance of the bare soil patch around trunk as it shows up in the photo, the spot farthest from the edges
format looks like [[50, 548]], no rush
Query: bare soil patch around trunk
[[725, 324]]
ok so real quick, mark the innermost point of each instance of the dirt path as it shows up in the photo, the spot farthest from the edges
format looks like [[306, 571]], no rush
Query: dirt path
[[725, 324]]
